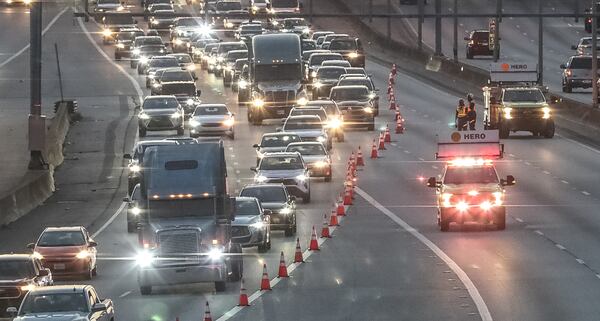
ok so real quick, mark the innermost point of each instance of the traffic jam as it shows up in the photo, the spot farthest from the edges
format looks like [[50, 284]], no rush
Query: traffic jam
[[254, 133]]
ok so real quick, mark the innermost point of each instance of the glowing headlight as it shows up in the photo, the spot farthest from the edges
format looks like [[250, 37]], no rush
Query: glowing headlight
[[220, 59], [135, 168], [302, 101], [151, 76], [178, 42], [191, 67], [446, 199], [229, 25], [335, 123], [136, 51], [157, 85], [136, 211], [254, 8], [507, 111], [83, 254], [189, 102], [243, 84], [320, 164], [143, 116], [285, 210], [473, 193], [498, 198], [257, 225], [318, 84], [106, 32], [306, 31], [546, 111], [194, 123], [219, 67], [176, 115], [229, 122], [144, 60], [144, 259], [120, 46], [486, 206], [313, 74], [368, 110], [258, 102], [372, 95], [28, 287], [37, 255], [462, 206], [353, 55], [321, 139], [215, 254], [154, 22], [302, 177], [261, 179]]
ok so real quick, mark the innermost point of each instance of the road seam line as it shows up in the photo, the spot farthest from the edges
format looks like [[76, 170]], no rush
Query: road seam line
[[482, 308]]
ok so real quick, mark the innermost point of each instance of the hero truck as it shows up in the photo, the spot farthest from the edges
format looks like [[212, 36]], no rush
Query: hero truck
[[469, 189], [185, 218], [275, 76], [513, 102]]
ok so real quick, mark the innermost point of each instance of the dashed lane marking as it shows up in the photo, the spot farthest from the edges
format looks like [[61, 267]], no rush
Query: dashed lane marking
[[585, 193], [580, 261], [564, 182], [125, 294], [560, 247], [520, 220], [538, 232]]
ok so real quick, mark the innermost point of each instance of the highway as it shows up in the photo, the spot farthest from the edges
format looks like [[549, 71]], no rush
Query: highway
[[387, 261]]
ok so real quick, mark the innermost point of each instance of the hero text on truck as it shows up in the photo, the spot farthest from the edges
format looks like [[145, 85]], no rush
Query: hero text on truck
[[185, 220]]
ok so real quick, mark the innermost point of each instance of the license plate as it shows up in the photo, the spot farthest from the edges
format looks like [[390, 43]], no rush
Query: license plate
[[281, 112], [59, 266]]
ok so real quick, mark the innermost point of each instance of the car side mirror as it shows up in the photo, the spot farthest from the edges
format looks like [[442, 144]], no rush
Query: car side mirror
[[376, 89], [267, 212], [555, 99], [563, 66], [510, 180], [253, 169], [31, 246], [256, 146], [127, 156], [279, 129], [126, 199], [432, 182], [44, 272], [573, 47], [293, 198], [198, 92], [98, 307], [93, 244], [135, 21], [12, 311]]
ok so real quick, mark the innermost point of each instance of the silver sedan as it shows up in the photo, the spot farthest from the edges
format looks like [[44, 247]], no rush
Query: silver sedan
[[212, 120]]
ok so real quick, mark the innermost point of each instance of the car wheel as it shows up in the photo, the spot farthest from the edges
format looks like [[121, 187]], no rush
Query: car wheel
[[88, 274], [220, 286], [306, 198], [95, 270], [132, 64], [469, 55], [146, 290], [500, 220], [131, 227], [504, 132], [180, 131], [549, 132], [567, 88], [142, 132], [328, 178]]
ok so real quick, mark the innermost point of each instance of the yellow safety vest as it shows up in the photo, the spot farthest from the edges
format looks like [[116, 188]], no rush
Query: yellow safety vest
[[461, 111]]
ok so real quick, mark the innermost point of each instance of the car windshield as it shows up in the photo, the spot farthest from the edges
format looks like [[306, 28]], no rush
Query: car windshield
[[356, 82], [582, 63], [341, 94], [179, 75], [481, 36], [233, 56], [317, 60], [230, 47], [16, 269], [229, 5], [330, 73], [294, 22], [118, 19], [184, 59], [240, 63], [524, 96], [471, 175], [146, 49], [309, 112], [189, 22], [308, 149], [161, 6], [61, 238], [343, 44], [266, 194], [302, 124], [284, 3], [210, 110], [163, 62], [278, 140], [356, 71], [278, 72], [148, 41], [308, 45], [281, 163], [252, 28], [160, 103], [246, 207], [109, 2], [54, 302], [129, 35], [330, 108]]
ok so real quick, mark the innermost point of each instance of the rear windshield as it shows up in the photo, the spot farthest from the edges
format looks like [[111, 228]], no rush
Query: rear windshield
[[61, 238], [252, 28], [582, 63], [176, 76], [294, 124], [266, 194], [294, 23], [118, 20], [343, 44], [308, 149], [278, 141], [167, 103], [233, 56], [330, 73], [211, 110], [481, 36], [229, 5], [350, 94], [15, 269], [149, 41]]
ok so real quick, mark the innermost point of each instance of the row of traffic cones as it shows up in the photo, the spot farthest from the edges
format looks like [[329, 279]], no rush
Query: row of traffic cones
[[339, 209]]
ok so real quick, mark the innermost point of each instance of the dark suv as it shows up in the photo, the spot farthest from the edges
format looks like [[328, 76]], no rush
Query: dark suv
[[478, 44], [350, 48]]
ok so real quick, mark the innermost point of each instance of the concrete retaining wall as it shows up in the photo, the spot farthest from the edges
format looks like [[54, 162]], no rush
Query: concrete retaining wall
[[38, 186]]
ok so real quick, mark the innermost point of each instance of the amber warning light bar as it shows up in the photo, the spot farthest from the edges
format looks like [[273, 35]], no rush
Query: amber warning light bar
[[477, 144]]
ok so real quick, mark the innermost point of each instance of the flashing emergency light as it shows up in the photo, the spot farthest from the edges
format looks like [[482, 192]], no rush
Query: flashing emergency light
[[468, 161]]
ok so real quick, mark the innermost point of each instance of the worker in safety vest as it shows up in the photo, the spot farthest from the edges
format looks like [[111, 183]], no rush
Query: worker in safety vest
[[471, 116], [460, 118]]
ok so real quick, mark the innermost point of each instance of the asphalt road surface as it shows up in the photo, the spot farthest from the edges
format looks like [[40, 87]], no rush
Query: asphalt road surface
[[387, 260]]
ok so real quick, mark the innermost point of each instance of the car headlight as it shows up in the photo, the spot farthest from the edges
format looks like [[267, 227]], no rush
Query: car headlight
[[178, 42], [144, 60], [176, 115], [229, 122], [136, 210], [37, 255], [286, 210], [372, 95], [254, 8], [258, 225], [28, 287], [154, 22], [215, 254], [229, 25], [321, 139], [191, 67], [498, 198], [189, 102], [368, 110], [120, 46], [83, 254], [194, 123], [546, 111], [321, 164], [306, 31], [318, 84], [486, 205], [353, 55], [302, 101], [258, 102], [220, 59], [143, 116], [144, 259], [335, 123], [313, 74], [243, 84], [106, 32], [302, 177], [507, 111], [135, 168], [156, 85], [261, 179]]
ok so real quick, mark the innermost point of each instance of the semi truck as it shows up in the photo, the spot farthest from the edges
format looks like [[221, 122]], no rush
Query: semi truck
[[185, 218], [275, 76]]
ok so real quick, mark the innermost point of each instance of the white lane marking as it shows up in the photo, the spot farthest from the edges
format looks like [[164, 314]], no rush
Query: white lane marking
[[511, 155], [580, 261], [538, 232], [520, 220], [564, 182], [110, 220], [394, 144], [125, 294], [434, 167], [407, 151], [482, 308], [18, 53], [527, 163], [421, 159], [562, 248], [135, 84], [585, 193], [546, 172]]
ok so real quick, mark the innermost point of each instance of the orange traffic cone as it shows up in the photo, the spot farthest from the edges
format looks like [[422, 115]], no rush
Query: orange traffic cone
[[387, 138], [397, 113], [389, 88], [243, 295], [347, 198], [265, 284], [381, 142], [374, 150], [394, 69], [392, 104], [333, 220], [207, 316], [360, 160], [340, 209], [298, 255], [351, 159], [391, 79], [400, 125], [325, 229], [283, 273], [314, 244]]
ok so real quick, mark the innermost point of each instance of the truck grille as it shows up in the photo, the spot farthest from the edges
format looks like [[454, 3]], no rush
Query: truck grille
[[160, 121], [9, 293], [529, 113], [283, 181], [238, 231], [280, 96], [178, 247]]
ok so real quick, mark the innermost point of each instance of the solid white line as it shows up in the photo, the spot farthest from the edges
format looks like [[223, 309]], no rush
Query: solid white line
[[482, 308], [110, 220], [538, 232], [580, 144], [562, 248], [520, 220], [585, 193], [564, 182], [18, 53], [125, 294], [580, 261]]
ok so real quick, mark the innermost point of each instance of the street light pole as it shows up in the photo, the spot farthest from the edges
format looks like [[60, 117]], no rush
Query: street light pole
[[438, 28], [594, 55], [455, 44], [540, 45], [37, 126]]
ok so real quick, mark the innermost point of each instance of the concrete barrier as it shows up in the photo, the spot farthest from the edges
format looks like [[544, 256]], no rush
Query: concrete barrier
[[37, 186]]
